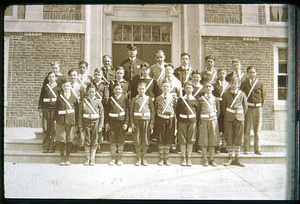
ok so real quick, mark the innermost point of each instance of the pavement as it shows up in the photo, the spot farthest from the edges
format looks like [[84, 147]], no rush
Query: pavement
[[254, 182]]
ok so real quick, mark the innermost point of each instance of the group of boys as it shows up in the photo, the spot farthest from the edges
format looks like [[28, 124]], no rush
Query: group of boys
[[179, 106]]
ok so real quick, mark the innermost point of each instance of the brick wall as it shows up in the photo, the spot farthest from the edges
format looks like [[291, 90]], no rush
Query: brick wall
[[257, 52], [62, 12], [262, 14], [30, 55], [223, 13]]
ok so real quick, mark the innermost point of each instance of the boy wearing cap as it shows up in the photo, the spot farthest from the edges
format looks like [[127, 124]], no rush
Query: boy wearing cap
[[209, 74], [157, 71], [165, 106], [152, 89], [83, 77], [141, 120], [220, 87], [184, 72], [47, 101], [187, 114], [92, 112], [234, 108], [236, 64], [116, 119], [132, 65], [254, 90], [67, 117], [108, 70], [119, 78], [209, 108]]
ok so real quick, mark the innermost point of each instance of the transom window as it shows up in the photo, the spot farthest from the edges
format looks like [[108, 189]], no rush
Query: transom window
[[277, 14], [142, 32]]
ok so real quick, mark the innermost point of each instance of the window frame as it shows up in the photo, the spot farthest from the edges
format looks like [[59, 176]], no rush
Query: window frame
[[279, 104], [268, 21]]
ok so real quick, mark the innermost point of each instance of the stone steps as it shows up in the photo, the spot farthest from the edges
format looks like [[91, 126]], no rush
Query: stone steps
[[36, 144], [34, 156]]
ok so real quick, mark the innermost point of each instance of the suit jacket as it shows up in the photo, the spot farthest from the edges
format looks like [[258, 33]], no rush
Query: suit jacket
[[257, 95], [69, 118], [240, 104], [131, 68]]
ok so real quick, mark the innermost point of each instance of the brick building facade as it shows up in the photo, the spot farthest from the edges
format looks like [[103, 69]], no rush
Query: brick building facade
[[36, 35]]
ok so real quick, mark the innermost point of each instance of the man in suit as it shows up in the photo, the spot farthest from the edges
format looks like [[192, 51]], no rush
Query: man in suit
[[132, 65]]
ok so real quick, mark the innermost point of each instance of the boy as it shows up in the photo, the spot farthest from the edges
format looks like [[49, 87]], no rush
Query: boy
[[220, 87], [102, 93], [236, 64], [47, 101], [92, 113], [165, 106], [209, 74], [152, 89], [254, 90], [83, 77], [117, 118], [67, 117], [120, 71], [187, 113], [209, 108], [176, 86], [234, 107], [108, 70], [142, 116], [197, 86], [55, 67], [158, 70], [78, 90], [184, 72]]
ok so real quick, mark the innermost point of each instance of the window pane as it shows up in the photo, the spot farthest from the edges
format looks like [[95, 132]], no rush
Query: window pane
[[165, 33], [282, 54], [146, 33], [156, 33], [117, 29], [137, 33], [282, 81], [127, 33], [279, 13], [282, 67], [282, 94]]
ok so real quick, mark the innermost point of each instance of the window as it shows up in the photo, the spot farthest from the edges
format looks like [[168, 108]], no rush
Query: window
[[277, 14], [142, 32], [281, 73]]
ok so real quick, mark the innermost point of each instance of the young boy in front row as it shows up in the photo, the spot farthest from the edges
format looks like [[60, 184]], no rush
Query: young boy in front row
[[187, 113], [92, 113], [234, 108], [116, 119], [209, 108], [165, 106], [220, 87], [66, 115], [142, 116], [47, 101]]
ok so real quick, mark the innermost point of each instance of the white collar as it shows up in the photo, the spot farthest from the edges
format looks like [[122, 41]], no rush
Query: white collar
[[91, 99], [222, 83], [208, 95], [161, 65], [59, 74], [120, 80], [132, 59], [67, 95], [148, 77], [191, 97], [209, 72], [99, 82], [117, 97], [235, 92], [185, 67], [168, 95]]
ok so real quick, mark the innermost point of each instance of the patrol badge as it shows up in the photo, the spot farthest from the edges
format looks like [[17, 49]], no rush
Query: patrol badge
[[138, 66]]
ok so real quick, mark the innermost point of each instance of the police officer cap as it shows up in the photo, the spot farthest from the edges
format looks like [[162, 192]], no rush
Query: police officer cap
[[236, 61], [132, 47], [209, 57]]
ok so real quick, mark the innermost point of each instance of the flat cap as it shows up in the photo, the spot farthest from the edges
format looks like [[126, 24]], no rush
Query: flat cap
[[132, 46]]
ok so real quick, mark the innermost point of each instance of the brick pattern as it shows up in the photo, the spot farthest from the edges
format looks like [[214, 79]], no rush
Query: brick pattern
[[262, 15], [223, 13], [62, 12], [30, 56], [258, 53]]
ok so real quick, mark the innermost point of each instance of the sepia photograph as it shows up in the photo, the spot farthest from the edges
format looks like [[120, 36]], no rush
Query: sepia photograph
[[152, 101]]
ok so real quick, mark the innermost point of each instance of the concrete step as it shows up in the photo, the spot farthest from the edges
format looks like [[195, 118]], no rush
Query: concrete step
[[34, 156], [36, 144]]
